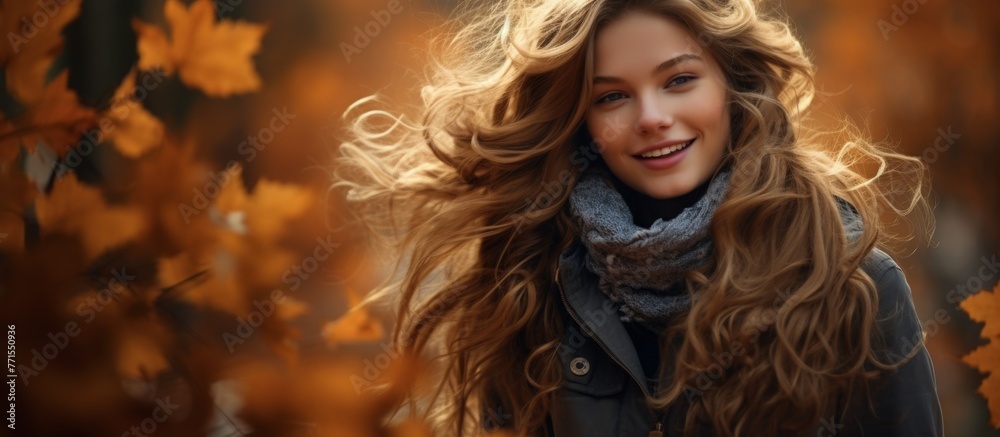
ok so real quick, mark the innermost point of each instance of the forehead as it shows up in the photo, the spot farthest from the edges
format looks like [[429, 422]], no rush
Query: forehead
[[640, 39]]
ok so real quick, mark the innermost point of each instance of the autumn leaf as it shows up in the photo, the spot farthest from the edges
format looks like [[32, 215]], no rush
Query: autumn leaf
[[241, 256], [355, 326], [985, 307], [31, 49], [267, 211], [135, 130], [76, 209], [215, 57], [57, 119], [221, 289]]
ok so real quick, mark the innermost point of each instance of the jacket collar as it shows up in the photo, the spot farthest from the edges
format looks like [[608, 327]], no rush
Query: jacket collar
[[589, 306]]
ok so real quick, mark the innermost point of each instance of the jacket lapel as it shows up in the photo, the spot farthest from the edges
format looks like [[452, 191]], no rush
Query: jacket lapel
[[591, 307]]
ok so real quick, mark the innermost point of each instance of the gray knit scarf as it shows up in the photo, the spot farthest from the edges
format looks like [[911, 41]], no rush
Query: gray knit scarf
[[640, 269]]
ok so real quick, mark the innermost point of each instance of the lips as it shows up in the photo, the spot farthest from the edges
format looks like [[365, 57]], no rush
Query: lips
[[665, 151]]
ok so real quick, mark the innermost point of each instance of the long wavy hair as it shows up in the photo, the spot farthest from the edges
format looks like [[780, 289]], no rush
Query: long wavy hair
[[472, 187]]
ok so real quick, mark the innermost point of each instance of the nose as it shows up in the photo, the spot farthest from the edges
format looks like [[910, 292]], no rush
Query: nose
[[653, 116]]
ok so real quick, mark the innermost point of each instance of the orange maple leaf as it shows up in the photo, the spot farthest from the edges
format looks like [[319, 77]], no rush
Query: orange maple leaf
[[268, 210], [214, 57], [355, 326], [135, 131], [242, 255], [34, 33], [73, 208], [56, 118], [985, 307]]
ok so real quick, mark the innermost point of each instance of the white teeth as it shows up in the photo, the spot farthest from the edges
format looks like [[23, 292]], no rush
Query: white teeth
[[666, 150]]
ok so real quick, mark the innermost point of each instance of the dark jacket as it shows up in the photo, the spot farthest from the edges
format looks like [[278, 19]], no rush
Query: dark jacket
[[604, 388]]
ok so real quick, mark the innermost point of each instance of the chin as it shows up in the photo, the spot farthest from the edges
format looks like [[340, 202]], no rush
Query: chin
[[674, 189]]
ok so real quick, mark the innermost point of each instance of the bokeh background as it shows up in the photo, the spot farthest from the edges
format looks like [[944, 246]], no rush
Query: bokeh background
[[171, 329]]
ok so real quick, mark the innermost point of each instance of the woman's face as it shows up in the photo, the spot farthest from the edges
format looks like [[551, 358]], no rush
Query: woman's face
[[658, 111]]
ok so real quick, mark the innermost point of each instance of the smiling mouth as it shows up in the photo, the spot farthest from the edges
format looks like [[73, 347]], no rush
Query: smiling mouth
[[666, 151]]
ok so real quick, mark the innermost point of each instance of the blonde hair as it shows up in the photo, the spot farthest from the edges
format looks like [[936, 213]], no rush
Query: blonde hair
[[474, 190]]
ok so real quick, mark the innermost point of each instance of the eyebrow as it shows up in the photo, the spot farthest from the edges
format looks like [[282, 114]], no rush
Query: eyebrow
[[659, 68]]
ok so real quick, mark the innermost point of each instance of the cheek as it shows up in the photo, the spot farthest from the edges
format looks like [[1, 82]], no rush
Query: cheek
[[710, 112], [603, 129]]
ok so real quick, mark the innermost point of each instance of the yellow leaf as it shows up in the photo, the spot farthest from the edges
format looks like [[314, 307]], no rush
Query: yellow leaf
[[76, 209], [215, 57], [136, 131]]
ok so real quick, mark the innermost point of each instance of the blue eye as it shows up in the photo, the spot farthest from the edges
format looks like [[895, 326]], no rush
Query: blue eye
[[607, 98], [681, 80]]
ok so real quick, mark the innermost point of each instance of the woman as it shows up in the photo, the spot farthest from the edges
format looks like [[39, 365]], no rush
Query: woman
[[617, 225]]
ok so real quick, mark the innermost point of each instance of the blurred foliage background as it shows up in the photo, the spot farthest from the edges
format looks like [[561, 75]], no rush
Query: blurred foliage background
[[193, 267]]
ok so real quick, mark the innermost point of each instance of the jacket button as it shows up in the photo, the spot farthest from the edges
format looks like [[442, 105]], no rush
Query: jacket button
[[579, 366]]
